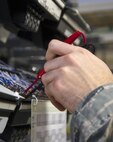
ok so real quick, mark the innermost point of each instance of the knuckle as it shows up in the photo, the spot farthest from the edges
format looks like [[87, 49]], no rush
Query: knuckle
[[43, 79], [46, 66], [57, 84], [81, 50], [62, 71], [69, 58], [51, 43]]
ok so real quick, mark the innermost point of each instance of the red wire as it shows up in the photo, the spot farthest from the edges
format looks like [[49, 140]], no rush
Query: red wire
[[74, 36], [39, 75], [69, 40]]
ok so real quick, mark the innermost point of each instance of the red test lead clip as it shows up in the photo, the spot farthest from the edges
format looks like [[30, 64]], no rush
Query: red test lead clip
[[69, 40]]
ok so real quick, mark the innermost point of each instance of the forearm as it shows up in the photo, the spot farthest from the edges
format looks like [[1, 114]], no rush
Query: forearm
[[91, 119]]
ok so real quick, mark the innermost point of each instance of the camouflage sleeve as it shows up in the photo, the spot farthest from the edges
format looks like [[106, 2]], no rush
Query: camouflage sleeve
[[93, 119]]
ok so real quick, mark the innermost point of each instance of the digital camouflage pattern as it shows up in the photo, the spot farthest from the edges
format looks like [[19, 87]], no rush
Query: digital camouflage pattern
[[93, 119]]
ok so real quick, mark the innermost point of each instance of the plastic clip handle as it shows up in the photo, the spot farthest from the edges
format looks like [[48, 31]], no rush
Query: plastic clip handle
[[69, 40]]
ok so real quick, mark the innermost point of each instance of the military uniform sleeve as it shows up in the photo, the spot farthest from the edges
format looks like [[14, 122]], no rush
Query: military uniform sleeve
[[93, 119]]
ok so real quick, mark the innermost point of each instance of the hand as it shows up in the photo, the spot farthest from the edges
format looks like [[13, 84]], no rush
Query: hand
[[71, 74]]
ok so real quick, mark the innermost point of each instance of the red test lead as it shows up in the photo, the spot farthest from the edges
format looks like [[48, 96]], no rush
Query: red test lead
[[69, 40]]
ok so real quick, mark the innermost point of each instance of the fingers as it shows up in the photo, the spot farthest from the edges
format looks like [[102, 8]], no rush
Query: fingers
[[55, 63], [48, 77], [53, 75], [55, 103], [58, 48]]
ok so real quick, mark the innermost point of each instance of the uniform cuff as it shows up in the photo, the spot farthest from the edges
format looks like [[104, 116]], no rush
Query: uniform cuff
[[94, 112]]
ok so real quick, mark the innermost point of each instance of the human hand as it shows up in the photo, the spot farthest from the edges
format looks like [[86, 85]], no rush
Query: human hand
[[71, 74]]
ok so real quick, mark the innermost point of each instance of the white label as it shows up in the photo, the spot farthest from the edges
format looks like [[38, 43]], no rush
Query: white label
[[3, 122], [47, 123]]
